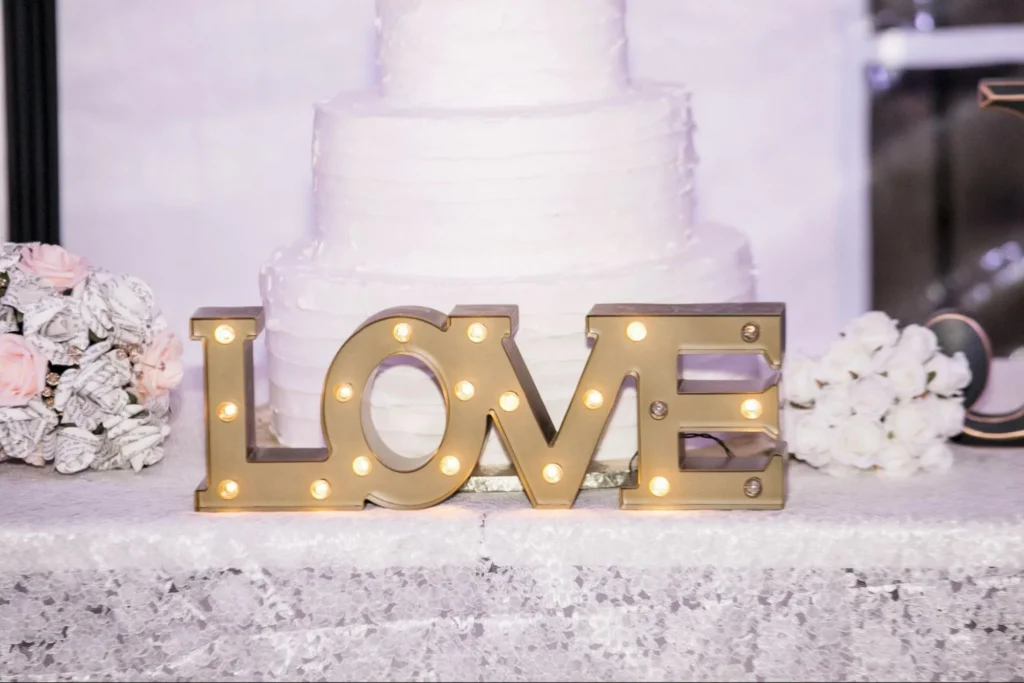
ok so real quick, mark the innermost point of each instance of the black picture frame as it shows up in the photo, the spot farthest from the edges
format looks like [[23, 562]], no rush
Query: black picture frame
[[30, 77]]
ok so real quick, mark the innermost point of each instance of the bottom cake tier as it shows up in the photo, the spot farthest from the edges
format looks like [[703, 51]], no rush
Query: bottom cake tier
[[312, 308]]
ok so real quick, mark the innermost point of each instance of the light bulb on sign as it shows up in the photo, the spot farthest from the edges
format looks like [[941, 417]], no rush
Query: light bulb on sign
[[508, 401], [224, 334], [552, 473], [476, 332], [464, 390], [751, 409], [344, 392], [320, 489], [450, 465], [227, 412], [659, 486], [228, 489], [402, 332], [361, 466], [636, 331]]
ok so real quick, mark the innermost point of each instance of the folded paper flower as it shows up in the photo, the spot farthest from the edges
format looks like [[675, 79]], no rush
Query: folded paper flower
[[86, 364]]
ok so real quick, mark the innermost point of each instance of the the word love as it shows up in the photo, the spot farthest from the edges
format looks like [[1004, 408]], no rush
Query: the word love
[[473, 354]]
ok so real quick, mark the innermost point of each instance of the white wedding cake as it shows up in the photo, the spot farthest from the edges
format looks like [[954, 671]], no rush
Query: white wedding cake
[[506, 157]]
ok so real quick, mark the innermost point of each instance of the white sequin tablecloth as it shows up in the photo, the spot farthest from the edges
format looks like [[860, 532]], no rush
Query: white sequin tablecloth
[[112, 576]]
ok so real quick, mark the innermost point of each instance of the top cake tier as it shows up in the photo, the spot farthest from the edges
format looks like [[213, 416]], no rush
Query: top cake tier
[[500, 53]]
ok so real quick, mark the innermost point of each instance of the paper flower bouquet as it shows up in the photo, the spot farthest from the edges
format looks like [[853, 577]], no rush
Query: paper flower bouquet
[[879, 400], [86, 364]]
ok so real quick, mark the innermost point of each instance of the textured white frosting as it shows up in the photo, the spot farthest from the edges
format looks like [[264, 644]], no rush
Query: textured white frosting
[[466, 188], [505, 159], [451, 53], [312, 308]]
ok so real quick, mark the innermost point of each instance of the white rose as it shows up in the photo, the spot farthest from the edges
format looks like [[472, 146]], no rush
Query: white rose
[[939, 375], [912, 424], [937, 457], [948, 414], [948, 375], [898, 469], [808, 436], [840, 471], [961, 370], [918, 342], [906, 376], [871, 397], [895, 453], [843, 362], [882, 356], [873, 331], [858, 442], [833, 405], [799, 381]]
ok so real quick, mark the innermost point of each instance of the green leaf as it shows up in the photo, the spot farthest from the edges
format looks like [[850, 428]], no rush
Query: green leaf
[[931, 376]]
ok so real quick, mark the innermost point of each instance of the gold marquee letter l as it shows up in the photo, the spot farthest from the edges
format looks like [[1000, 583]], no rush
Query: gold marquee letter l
[[473, 354]]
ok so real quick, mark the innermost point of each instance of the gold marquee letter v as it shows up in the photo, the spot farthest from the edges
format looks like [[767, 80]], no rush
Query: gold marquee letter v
[[473, 355]]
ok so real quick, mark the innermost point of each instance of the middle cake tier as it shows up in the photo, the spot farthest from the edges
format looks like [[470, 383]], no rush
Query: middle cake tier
[[312, 309], [515, 192]]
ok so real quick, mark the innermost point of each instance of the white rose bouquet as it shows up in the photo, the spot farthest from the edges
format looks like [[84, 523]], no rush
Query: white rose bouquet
[[86, 364], [879, 399]]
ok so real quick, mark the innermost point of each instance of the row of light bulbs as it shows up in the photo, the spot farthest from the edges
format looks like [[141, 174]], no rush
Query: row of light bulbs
[[508, 401], [320, 489], [477, 332]]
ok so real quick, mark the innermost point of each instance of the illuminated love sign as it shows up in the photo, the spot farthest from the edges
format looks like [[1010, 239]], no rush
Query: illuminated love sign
[[473, 354]]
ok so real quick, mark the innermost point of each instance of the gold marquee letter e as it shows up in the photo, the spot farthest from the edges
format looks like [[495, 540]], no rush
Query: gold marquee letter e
[[473, 354]]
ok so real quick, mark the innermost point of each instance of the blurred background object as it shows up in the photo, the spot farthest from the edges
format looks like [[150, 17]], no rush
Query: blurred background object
[[30, 84], [3, 145], [947, 178]]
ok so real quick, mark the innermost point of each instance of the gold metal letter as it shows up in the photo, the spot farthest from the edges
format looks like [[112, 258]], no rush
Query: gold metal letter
[[705, 406], [240, 476]]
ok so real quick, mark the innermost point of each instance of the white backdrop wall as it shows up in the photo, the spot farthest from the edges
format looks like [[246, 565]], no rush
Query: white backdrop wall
[[186, 125]]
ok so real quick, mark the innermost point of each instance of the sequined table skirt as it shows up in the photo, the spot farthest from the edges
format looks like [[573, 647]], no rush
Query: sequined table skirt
[[111, 576]]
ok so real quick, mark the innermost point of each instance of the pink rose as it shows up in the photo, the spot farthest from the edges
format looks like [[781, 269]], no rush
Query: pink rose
[[160, 367], [22, 371], [55, 264]]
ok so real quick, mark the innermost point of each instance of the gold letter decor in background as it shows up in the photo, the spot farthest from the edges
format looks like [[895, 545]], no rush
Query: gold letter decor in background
[[473, 355]]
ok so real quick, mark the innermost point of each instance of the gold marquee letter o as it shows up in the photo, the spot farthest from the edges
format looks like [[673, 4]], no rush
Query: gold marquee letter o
[[447, 346]]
